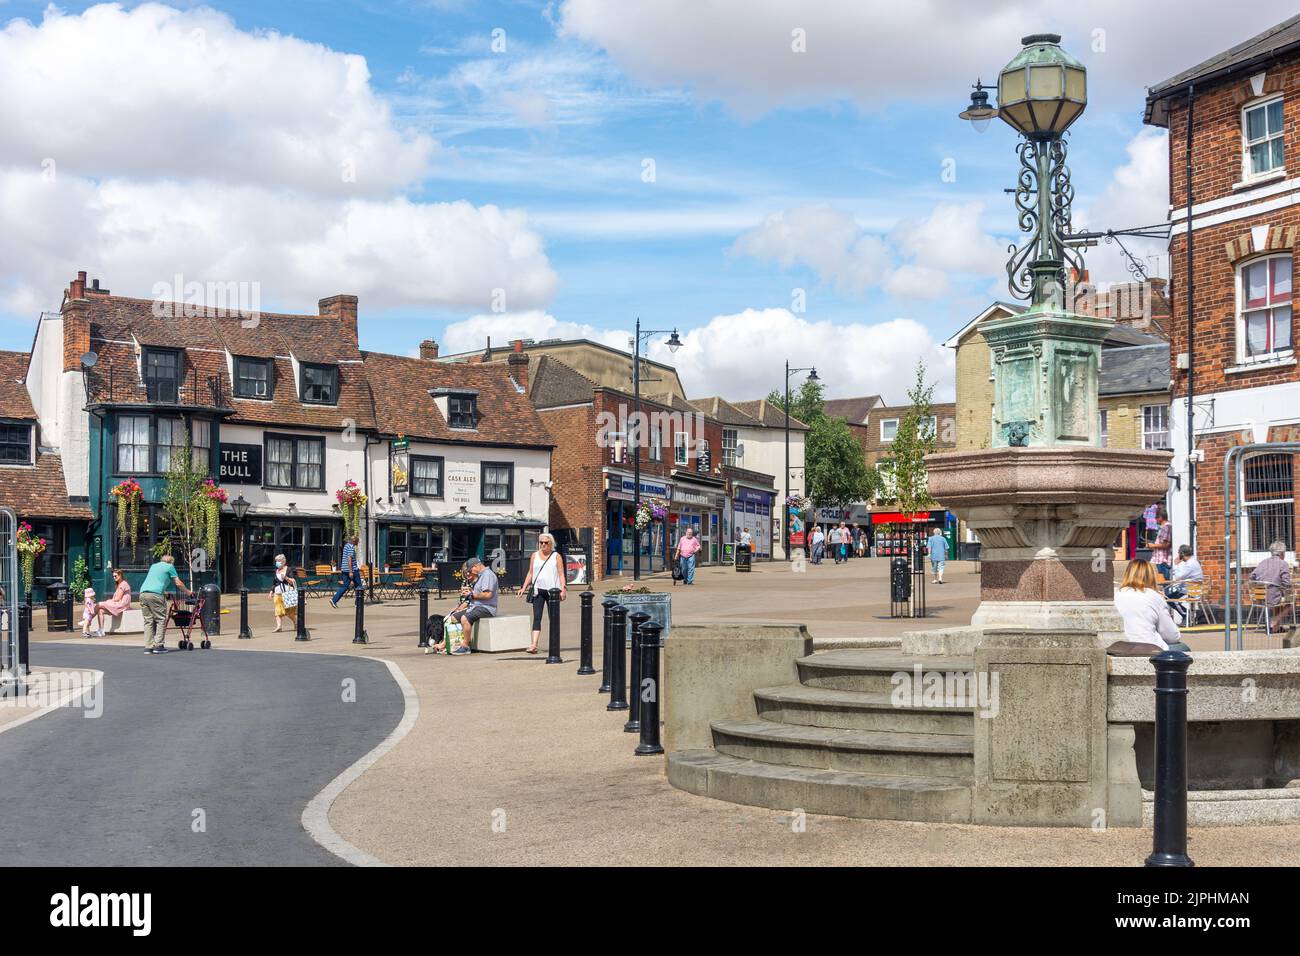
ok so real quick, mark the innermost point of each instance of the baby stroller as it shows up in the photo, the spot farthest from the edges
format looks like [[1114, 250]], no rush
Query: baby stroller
[[185, 614]]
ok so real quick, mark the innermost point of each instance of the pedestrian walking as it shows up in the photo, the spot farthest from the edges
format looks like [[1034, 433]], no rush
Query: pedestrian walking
[[285, 604], [153, 605], [688, 546], [844, 542], [348, 567], [1160, 550], [938, 547], [818, 544], [544, 573], [746, 541]]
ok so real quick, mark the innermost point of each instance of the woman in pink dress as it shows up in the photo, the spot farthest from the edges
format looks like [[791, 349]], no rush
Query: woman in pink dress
[[118, 603]]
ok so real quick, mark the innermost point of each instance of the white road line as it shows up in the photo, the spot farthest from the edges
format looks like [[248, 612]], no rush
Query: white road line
[[67, 699], [315, 816]]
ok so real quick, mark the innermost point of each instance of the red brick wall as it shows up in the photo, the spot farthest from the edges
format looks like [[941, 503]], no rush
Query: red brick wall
[[1216, 167]]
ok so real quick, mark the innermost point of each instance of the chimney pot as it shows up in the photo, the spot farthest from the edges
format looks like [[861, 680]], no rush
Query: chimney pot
[[428, 349], [518, 345]]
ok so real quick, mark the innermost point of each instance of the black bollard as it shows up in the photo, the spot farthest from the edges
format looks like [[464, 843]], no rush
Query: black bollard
[[650, 690], [424, 616], [584, 653], [245, 633], [24, 627], [633, 724], [607, 605], [617, 659], [359, 629], [1169, 835], [301, 617], [553, 613]]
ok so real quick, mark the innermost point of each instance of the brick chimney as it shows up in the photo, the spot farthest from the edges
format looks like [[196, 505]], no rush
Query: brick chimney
[[342, 309], [517, 364], [76, 324], [428, 350]]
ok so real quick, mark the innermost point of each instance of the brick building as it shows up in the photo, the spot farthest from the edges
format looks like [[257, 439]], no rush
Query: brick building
[[1232, 121], [592, 468]]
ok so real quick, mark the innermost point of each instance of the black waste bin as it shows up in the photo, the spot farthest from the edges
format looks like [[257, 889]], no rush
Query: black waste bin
[[211, 609], [744, 557], [900, 581], [58, 607]]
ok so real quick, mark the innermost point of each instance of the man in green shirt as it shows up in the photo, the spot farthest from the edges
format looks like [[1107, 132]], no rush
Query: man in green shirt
[[153, 605]]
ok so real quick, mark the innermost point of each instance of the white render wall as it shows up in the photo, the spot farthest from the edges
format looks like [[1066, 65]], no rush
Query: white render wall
[[531, 465], [59, 398], [765, 452], [344, 459]]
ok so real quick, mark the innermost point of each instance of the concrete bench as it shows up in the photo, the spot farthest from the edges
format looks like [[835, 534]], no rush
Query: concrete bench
[[509, 632], [130, 621]]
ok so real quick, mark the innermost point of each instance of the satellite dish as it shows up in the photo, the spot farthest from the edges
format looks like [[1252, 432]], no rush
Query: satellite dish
[[740, 449], [89, 359]]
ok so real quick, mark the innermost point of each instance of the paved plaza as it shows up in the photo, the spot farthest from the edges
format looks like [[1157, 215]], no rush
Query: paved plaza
[[513, 761]]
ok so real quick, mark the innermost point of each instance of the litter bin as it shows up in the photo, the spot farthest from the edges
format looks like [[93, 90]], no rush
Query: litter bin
[[58, 607], [743, 558], [211, 608], [900, 581]]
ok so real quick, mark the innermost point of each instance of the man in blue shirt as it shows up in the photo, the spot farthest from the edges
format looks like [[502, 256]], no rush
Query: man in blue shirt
[[938, 546], [153, 606], [351, 573], [481, 596]]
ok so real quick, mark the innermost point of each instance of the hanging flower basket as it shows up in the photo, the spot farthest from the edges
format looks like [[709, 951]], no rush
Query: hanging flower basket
[[129, 495], [650, 511], [30, 547], [212, 497], [351, 500]]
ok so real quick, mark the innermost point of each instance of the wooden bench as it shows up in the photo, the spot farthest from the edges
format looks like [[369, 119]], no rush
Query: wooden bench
[[506, 632], [130, 621]]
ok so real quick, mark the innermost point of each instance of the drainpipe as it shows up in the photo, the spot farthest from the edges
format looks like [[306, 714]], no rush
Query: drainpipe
[[1191, 364]]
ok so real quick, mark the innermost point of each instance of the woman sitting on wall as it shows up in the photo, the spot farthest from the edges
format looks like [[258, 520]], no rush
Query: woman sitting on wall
[[118, 604], [1142, 606]]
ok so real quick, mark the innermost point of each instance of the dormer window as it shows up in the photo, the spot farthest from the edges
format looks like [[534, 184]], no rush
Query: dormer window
[[1262, 129], [252, 378], [462, 411], [320, 384], [162, 375]]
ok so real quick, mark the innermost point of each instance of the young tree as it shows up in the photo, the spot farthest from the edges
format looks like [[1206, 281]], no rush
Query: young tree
[[906, 481], [185, 513]]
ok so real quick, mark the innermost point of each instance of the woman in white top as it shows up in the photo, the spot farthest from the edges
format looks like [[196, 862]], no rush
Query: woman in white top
[[1142, 606], [545, 573]]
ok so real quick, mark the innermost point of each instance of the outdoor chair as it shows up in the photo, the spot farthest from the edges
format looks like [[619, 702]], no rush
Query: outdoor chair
[[1194, 603], [412, 578], [1257, 606]]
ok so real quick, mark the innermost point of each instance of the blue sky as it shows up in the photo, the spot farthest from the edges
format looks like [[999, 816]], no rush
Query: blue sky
[[505, 146]]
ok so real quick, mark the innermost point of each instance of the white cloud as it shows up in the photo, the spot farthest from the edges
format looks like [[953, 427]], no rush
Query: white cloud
[[182, 144], [741, 356], [472, 333], [875, 53], [915, 260], [1136, 195], [157, 91]]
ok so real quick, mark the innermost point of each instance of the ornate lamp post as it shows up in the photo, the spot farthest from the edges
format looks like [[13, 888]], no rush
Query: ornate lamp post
[[1047, 358]]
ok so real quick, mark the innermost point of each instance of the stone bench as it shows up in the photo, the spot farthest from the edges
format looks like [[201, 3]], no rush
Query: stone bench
[[130, 621], [508, 632]]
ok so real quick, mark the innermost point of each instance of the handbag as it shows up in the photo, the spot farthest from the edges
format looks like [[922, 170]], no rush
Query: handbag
[[289, 594], [677, 572]]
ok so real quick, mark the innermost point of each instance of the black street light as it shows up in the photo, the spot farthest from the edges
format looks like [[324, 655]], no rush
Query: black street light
[[785, 505], [240, 507], [673, 342]]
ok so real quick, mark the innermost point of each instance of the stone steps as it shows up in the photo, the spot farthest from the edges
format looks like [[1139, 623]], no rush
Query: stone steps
[[857, 710], [871, 671], [856, 751], [833, 792]]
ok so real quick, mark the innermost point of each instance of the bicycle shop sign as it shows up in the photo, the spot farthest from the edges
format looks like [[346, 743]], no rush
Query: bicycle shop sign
[[241, 464]]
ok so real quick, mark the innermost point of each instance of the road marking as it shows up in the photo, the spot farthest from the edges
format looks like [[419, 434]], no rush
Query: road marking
[[68, 698], [315, 816]]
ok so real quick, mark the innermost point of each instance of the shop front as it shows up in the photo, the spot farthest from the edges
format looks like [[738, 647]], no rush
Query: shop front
[[892, 530], [620, 525], [751, 510], [448, 544], [700, 507]]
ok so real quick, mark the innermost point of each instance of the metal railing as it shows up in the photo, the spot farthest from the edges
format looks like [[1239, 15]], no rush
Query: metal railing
[[117, 386]]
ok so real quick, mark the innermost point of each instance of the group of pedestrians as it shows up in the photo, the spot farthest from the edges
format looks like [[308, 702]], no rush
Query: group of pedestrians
[[842, 542]]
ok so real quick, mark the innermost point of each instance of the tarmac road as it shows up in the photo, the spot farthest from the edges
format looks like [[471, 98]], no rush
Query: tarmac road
[[245, 737]]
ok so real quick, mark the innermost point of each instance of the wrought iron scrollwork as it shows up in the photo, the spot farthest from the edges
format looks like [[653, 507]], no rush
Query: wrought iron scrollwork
[[1047, 219]]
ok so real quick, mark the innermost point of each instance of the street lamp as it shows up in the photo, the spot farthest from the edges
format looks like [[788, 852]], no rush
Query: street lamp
[[240, 507], [673, 342], [979, 112], [785, 505]]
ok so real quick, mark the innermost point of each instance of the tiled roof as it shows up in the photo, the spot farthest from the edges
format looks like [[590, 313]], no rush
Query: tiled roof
[[404, 406], [724, 411], [117, 322], [554, 383], [39, 492], [15, 402], [1137, 368], [1121, 336], [852, 410], [769, 415], [1258, 51]]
